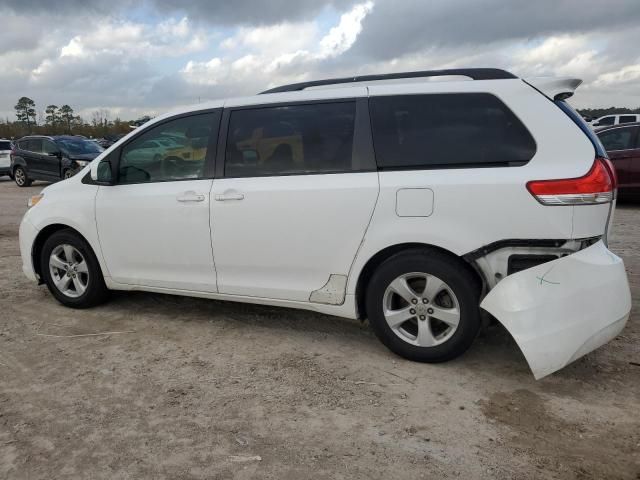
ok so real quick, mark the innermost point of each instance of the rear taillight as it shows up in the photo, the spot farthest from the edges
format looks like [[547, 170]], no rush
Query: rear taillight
[[596, 187]]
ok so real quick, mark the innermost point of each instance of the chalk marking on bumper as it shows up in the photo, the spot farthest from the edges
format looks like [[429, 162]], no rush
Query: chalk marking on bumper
[[561, 310]]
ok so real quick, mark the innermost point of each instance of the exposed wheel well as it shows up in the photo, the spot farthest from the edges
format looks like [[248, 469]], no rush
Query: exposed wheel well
[[38, 243], [381, 256]]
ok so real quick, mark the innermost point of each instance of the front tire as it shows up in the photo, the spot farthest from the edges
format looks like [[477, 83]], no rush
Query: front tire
[[21, 178], [71, 270], [68, 173], [424, 305]]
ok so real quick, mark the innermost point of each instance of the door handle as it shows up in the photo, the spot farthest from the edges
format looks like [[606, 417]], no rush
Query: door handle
[[226, 196], [190, 196]]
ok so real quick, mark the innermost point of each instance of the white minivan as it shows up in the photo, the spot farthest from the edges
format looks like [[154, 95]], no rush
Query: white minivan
[[413, 204]]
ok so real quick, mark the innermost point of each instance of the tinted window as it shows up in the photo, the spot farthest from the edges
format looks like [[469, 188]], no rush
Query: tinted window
[[297, 139], [627, 118], [78, 146], [34, 145], [5, 145], [148, 158], [618, 138], [606, 121], [447, 130], [49, 147]]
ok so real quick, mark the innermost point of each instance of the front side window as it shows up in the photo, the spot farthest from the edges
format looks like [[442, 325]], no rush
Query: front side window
[[607, 121], [173, 150], [49, 147], [290, 140], [447, 130], [618, 139]]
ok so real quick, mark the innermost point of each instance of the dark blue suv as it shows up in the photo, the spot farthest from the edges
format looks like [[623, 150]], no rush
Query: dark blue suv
[[51, 159]]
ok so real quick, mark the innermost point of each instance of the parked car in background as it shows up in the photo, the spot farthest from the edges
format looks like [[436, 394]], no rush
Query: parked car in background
[[413, 204], [609, 120], [5, 157], [51, 159], [108, 140], [622, 143]]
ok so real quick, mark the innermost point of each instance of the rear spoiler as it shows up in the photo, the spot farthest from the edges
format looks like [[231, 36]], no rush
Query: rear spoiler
[[556, 88]]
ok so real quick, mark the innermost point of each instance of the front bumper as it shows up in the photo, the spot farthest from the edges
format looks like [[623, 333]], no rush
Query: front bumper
[[561, 310], [27, 236]]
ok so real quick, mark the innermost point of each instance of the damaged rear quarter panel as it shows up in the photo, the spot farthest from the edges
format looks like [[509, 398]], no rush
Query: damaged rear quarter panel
[[558, 311]]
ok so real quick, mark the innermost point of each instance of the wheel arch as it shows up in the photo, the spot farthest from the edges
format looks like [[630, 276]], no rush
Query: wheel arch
[[372, 264], [42, 236], [18, 162]]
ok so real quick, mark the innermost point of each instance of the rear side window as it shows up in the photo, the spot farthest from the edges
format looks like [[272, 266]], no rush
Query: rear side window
[[291, 140], [619, 138], [448, 130], [627, 118], [5, 145], [34, 145]]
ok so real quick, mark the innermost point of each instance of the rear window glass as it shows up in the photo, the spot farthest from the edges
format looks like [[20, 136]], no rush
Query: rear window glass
[[448, 130], [5, 145], [627, 118]]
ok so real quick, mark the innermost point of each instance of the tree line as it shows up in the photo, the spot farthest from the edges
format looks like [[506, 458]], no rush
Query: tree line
[[59, 121]]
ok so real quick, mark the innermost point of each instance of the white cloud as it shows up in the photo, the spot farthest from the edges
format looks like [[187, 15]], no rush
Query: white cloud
[[341, 37], [275, 49]]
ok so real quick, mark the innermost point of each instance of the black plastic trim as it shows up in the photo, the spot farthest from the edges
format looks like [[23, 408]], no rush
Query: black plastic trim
[[473, 73], [516, 242]]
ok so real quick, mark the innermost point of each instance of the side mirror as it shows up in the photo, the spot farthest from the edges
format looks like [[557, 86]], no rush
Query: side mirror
[[55, 154], [102, 173]]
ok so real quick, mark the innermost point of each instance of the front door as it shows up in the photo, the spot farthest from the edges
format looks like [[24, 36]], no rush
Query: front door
[[50, 159], [298, 189], [153, 224]]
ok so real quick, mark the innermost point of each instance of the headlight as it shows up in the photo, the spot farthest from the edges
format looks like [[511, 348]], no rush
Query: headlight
[[82, 163], [35, 199]]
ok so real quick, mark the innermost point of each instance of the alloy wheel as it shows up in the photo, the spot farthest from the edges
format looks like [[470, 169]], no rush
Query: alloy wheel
[[421, 309], [19, 176], [69, 270]]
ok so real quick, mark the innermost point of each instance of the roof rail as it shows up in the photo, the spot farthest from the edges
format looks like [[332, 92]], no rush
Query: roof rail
[[473, 73]]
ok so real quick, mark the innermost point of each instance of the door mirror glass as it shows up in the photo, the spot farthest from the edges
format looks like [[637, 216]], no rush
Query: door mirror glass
[[102, 172]]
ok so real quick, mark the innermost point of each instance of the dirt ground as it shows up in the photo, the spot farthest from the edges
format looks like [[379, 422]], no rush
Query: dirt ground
[[206, 389]]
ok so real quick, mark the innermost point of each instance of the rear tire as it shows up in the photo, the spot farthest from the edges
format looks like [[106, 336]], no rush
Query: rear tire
[[71, 270], [424, 305], [21, 178]]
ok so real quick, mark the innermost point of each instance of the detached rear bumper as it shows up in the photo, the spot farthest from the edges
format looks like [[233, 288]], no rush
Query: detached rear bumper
[[564, 309]]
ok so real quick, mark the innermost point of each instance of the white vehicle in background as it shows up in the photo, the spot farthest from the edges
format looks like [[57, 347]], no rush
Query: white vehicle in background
[[412, 204], [5, 157], [608, 120]]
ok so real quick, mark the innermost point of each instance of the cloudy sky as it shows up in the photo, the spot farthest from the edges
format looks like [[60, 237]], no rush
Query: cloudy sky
[[145, 57]]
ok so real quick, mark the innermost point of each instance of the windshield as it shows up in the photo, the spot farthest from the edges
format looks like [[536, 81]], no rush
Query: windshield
[[5, 145], [78, 146]]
